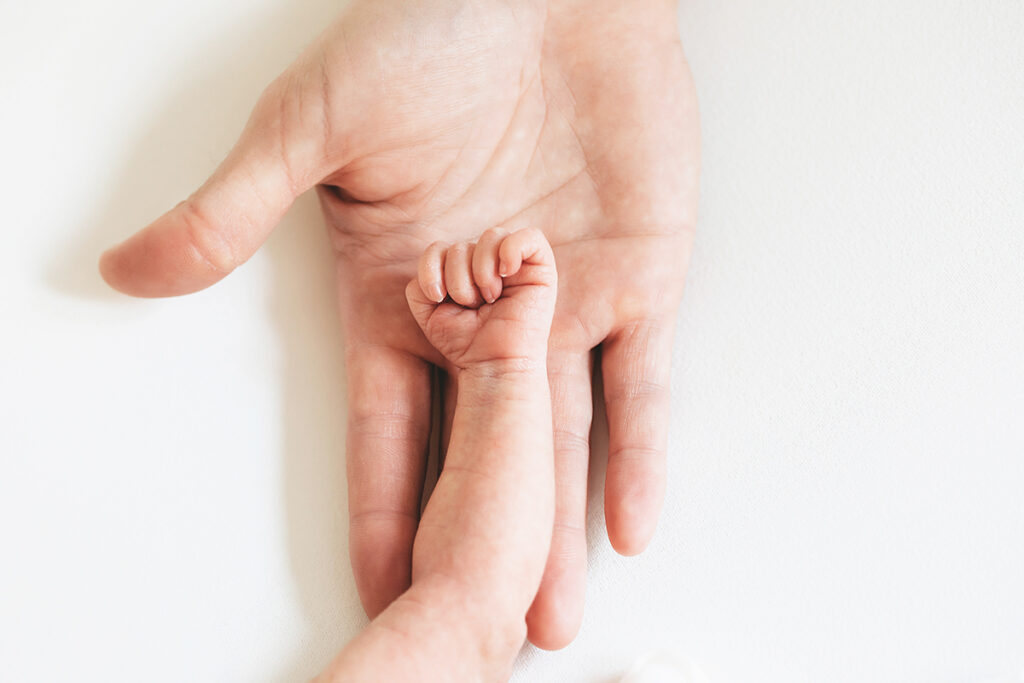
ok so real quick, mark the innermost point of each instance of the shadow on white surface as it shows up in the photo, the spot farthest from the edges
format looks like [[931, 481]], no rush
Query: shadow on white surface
[[313, 438], [177, 147]]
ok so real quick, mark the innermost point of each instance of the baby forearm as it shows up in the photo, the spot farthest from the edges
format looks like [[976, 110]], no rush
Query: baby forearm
[[481, 545], [493, 506], [431, 632]]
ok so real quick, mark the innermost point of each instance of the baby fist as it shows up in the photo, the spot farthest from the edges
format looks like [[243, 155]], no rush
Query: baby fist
[[488, 302]]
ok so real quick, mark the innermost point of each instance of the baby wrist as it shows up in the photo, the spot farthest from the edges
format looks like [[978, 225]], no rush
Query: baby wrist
[[504, 380], [506, 369]]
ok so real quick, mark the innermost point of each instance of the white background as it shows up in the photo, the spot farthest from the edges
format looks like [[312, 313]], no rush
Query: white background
[[846, 496]]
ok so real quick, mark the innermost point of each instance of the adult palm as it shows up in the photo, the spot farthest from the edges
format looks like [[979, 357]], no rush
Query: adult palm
[[435, 120]]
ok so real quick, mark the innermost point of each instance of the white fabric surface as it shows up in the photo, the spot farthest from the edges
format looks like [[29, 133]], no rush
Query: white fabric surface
[[847, 446]]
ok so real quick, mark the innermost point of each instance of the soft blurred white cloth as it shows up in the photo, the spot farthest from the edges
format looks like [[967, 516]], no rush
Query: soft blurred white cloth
[[663, 667], [1010, 678]]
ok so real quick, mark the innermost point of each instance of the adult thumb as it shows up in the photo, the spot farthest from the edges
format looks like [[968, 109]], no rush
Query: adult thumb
[[222, 224]]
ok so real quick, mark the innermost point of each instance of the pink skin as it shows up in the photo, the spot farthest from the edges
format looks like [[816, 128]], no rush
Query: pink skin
[[482, 543], [516, 270], [433, 121]]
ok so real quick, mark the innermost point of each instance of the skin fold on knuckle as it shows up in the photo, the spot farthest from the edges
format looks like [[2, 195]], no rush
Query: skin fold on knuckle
[[206, 243]]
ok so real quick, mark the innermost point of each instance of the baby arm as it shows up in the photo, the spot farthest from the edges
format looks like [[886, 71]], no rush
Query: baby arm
[[482, 543]]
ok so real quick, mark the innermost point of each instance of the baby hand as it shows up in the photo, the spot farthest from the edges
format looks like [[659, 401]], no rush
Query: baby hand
[[488, 302]]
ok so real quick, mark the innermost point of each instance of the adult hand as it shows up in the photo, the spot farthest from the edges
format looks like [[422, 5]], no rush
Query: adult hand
[[435, 120]]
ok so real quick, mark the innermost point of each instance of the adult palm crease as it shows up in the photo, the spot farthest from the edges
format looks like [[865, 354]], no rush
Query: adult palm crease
[[434, 121]]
